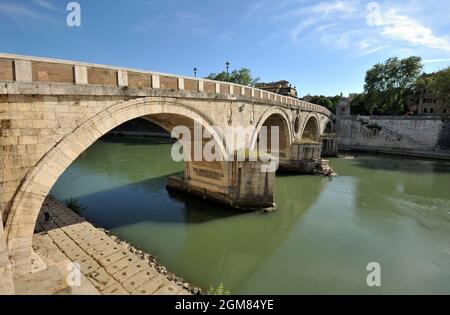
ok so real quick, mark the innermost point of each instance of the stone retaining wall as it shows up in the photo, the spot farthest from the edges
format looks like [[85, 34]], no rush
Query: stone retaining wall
[[394, 134]]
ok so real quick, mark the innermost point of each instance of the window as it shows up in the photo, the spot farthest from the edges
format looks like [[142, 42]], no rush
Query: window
[[425, 110], [444, 110], [431, 110]]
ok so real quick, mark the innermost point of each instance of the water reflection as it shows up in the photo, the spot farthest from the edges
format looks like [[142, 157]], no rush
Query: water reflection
[[402, 164]]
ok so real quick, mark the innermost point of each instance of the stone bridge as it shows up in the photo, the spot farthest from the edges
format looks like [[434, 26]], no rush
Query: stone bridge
[[51, 111]]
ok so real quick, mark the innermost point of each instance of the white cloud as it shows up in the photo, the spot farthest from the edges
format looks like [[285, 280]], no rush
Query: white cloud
[[341, 40], [45, 4], [341, 24], [368, 47], [328, 20], [18, 11], [404, 28], [325, 27], [269, 39], [254, 9], [300, 27], [339, 7], [442, 60], [25, 17], [265, 10]]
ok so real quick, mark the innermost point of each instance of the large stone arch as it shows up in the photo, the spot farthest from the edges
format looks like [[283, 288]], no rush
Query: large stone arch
[[311, 129], [275, 116], [267, 114], [30, 195]]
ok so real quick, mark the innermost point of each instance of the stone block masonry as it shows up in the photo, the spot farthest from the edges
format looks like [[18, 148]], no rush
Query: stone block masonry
[[6, 280], [416, 136]]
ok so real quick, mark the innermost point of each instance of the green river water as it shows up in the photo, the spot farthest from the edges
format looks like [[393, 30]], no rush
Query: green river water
[[392, 211]]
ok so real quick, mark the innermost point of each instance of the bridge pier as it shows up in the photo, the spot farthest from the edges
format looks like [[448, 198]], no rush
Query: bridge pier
[[306, 158], [329, 145], [303, 158], [246, 185]]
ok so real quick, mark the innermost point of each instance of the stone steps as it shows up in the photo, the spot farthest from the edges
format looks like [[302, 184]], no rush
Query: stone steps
[[110, 267]]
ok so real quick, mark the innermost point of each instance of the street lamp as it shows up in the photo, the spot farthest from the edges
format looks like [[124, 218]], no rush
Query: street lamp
[[195, 71], [228, 68]]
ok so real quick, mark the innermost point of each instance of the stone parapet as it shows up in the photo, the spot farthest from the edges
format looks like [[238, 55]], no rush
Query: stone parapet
[[44, 70]]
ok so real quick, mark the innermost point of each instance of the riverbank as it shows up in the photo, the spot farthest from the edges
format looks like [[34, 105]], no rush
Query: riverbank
[[108, 265], [434, 155]]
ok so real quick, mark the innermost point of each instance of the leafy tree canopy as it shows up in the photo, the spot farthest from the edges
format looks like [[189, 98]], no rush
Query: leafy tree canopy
[[326, 101], [242, 76], [389, 85], [358, 105], [440, 84]]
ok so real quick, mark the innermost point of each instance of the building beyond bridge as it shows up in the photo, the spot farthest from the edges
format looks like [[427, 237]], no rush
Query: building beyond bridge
[[51, 111], [428, 103], [282, 87]]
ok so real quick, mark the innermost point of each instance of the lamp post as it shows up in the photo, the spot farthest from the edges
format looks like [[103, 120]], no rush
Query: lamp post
[[195, 71], [228, 68]]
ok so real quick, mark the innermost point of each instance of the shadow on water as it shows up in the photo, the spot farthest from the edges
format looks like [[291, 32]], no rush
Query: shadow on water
[[149, 201], [137, 140], [236, 248], [218, 243], [402, 164]]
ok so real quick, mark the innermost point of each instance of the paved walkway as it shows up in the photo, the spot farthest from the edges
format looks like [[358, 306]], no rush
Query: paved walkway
[[110, 268]]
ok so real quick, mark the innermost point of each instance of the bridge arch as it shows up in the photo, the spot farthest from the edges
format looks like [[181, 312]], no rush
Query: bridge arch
[[311, 130], [329, 127], [273, 115], [33, 190]]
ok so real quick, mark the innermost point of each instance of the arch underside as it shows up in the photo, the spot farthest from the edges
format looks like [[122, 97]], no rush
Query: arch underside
[[273, 117], [329, 127], [275, 137]]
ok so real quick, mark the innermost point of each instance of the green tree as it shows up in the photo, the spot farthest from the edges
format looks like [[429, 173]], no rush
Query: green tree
[[74, 205], [322, 101], [358, 105], [220, 290], [242, 76], [335, 100], [440, 84], [325, 101], [389, 85]]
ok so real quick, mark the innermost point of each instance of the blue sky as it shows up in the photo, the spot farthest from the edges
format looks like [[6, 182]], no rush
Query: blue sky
[[322, 47]]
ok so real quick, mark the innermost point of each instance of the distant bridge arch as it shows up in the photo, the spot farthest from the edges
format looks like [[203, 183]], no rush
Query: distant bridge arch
[[274, 116], [311, 130]]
